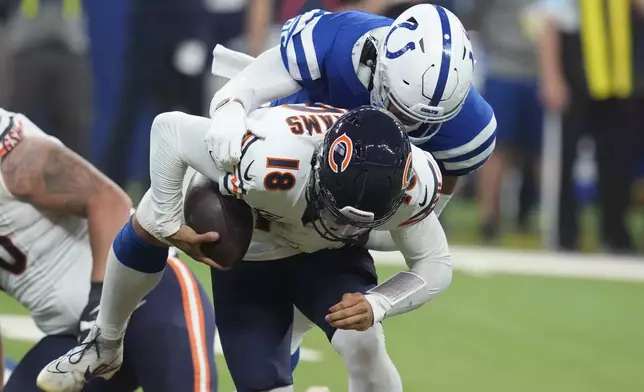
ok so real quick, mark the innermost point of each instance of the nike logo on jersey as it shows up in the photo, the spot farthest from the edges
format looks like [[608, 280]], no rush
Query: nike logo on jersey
[[424, 202], [246, 176]]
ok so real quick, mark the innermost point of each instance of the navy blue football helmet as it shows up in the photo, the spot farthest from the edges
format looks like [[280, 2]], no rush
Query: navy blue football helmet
[[360, 175]]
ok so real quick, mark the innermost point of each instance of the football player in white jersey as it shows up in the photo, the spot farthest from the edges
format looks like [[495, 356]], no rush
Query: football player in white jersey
[[319, 180], [58, 217]]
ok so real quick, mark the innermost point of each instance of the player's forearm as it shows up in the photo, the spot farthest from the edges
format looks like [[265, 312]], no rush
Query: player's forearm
[[425, 250], [167, 169], [176, 143], [259, 17], [549, 49], [264, 80], [448, 187], [381, 241]]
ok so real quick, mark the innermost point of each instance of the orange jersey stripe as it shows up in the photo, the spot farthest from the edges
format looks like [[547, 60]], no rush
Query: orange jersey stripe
[[193, 310]]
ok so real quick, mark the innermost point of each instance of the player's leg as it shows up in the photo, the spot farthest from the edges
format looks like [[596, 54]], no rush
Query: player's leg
[[503, 96], [318, 285], [134, 267], [529, 142], [170, 339], [254, 316]]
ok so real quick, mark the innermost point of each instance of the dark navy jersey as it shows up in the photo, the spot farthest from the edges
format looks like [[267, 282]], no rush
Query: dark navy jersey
[[318, 51]]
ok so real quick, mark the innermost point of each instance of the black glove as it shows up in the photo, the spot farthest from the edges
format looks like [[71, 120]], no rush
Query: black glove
[[90, 313]]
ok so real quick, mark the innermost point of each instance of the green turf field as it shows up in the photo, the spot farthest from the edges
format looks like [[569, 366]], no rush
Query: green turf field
[[496, 334]]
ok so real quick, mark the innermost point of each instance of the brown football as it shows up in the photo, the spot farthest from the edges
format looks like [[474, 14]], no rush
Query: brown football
[[206, 209]]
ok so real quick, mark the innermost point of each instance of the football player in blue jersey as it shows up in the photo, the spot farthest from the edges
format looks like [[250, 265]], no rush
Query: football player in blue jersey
[[419, 66]]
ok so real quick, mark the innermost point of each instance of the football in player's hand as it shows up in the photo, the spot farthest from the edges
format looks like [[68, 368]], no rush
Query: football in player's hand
[[206, 209]]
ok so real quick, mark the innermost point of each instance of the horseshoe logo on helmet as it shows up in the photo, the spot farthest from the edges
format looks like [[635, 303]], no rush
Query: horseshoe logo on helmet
[[341, 147], [409, 46]]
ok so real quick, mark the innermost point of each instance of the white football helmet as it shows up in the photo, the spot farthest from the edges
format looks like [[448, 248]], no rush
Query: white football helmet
[[425, 68]]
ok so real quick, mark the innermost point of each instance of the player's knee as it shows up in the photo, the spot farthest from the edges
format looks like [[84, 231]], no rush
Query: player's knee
[[359, 347], [165, 121], [137, 253]]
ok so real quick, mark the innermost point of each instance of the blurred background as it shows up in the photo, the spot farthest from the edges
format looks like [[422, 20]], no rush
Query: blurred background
[[563, 194], [565, 78]]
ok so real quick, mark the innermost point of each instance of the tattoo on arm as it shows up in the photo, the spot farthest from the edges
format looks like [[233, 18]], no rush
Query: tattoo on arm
[[49, 175]]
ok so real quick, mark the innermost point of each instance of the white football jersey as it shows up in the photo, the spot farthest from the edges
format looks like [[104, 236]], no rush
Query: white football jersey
[[275, 170], [45, 259]]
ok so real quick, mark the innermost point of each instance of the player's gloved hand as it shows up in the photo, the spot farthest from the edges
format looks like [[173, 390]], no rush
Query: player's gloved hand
[[90, 313], [352, 312], [190, 243], [224, 138]]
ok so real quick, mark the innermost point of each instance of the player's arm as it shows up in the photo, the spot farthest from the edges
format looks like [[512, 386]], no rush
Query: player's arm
[[176, 143], [43, 172], [424, 247], [264, 80], [279, 72], [284, 69], [260, 14]]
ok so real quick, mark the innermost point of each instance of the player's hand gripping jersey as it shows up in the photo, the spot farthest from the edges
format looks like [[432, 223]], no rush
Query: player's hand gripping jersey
[[42, 256], [419, 69], [272, 177]]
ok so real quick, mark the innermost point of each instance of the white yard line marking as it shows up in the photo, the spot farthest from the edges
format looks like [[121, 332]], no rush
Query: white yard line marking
[[514, 262]]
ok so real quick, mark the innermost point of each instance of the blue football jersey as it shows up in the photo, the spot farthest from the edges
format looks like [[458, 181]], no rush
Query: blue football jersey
[[317, 50]]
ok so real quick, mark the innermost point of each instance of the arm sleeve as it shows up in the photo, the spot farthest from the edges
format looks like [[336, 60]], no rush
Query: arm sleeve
[[264, 80], [424, 247], [176, 143], [425, 250], [381, 241]]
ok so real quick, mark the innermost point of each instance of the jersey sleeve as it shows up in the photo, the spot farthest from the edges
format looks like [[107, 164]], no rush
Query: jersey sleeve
[[13, 128], [305, 41], [466, 142]]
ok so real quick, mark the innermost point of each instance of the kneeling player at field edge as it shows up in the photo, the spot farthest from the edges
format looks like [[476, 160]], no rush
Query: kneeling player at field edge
[[315, 195], [58, 217]]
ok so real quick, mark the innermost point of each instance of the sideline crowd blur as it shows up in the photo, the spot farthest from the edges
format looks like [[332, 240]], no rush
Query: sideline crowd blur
[[95, 73]]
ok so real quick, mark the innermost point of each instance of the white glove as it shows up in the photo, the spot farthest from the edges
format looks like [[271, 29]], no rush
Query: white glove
[[224, 138]]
